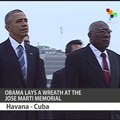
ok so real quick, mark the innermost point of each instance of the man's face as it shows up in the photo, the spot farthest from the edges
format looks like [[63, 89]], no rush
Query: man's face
[[18, 26], [100, 36], [75, 47], [26, 40]]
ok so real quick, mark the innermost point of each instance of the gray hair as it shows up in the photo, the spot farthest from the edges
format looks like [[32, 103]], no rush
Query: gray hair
[[94, 25], [9, 14]]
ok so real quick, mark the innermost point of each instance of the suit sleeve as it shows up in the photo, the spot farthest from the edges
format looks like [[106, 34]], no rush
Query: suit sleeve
[[40, 73], [71, 70], [43, 73], [54, 80]]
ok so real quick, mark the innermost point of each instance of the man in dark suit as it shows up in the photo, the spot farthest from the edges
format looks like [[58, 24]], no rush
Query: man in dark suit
[[58, 80], [11, 73], [84, 68], [59, 76]]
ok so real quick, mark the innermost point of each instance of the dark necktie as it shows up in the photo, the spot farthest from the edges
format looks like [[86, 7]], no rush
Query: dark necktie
[[21, 59], [105, 68]]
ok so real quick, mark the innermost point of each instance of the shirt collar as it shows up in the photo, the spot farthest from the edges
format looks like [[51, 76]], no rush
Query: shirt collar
[[97, 52], [15, 44]]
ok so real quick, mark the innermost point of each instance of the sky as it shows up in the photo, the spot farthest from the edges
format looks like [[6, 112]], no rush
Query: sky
[[55, 23]]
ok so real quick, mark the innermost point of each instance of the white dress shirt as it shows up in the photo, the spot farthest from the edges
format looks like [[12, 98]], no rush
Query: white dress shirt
[[98, 56]]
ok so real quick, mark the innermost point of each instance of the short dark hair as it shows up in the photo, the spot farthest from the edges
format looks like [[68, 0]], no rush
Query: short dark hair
[[72, 42], [27, 41], [9, 14]]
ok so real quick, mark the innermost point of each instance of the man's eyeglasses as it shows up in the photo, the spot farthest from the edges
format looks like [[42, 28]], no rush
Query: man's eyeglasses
[[103, 32]]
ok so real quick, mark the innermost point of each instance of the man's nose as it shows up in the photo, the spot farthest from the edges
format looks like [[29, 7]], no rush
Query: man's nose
[[24, 23]]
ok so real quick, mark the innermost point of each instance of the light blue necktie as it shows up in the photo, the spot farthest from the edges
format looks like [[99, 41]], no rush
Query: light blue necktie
[[21, 60]]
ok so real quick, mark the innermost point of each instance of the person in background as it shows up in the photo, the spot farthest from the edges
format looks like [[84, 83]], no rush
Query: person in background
[[26, 39], [19, 65], [58, 80], [59, 76], [94, 66]]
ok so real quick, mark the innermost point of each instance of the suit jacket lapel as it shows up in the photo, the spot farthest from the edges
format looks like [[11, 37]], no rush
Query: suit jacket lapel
[[114, 67], [13, 58], [30, 61], [95, 64]]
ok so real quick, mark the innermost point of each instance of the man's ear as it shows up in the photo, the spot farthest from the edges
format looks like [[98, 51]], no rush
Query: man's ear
[[7, 27], [89, 34]]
